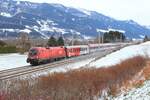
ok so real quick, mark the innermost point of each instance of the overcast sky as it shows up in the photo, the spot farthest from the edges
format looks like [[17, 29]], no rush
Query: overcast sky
[[137, 10]]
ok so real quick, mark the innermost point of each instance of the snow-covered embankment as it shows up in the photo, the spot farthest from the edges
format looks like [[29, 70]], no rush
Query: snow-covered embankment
[[8, 61]]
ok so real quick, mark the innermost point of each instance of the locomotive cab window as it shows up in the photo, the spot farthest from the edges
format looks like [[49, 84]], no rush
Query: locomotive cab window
[[33, 52]]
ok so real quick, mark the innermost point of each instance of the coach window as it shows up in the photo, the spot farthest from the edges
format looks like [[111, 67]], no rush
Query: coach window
[[82, 49]]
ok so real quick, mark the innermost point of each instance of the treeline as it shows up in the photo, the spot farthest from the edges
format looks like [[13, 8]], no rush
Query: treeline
[[4, 48], [8, 49], [55, 42], [113, 36]]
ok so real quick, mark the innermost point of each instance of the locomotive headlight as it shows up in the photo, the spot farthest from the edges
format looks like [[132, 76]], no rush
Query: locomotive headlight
[[37, 57]]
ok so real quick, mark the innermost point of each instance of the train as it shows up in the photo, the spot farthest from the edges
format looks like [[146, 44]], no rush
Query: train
[[38, 55]]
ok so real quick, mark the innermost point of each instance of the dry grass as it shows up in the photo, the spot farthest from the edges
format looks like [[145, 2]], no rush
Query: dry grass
[[146, 71], [3, 95], [81, 84]]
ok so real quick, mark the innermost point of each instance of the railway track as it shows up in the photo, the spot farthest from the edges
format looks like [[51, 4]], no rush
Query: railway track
[[13, 69], [25, 70], [8, 74]]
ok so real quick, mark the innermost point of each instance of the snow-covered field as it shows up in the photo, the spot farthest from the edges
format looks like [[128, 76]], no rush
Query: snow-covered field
[[8, 61], [125, 53]]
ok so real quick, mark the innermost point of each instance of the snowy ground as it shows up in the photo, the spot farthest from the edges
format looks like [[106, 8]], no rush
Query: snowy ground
[[8, 61], [141, 93], [125, 53]]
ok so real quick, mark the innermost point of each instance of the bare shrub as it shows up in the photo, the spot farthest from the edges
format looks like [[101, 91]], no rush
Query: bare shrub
[[3, 95]]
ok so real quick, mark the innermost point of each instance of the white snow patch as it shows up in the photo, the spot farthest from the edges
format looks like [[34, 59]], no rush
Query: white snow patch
[[87, 37], [48, 26], [74, 32], [18, 2], [5, 14], [59, 30], [9, 30], [111, 29], [26, 31], [27, 26], [142, 93], [102, 30], [8, 61], [73, 19], [142, 36]]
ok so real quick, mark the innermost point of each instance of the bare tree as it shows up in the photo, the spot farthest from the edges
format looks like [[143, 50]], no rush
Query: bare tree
[[24, 42]]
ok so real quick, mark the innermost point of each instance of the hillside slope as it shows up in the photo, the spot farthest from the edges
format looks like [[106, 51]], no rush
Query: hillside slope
[[41, 20]]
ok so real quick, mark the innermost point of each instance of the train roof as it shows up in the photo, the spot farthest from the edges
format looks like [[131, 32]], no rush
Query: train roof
[[77, 46], [40, 48]]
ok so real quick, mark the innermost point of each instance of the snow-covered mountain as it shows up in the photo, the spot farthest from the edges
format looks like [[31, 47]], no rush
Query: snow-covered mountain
[[41, 20]]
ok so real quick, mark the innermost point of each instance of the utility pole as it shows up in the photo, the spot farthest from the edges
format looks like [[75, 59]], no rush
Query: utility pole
[[100, 31], [72, 39], [120, 37], [102, 37], [99, 38]]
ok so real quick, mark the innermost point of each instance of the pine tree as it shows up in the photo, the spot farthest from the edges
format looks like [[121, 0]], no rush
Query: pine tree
[[52, 41], [60, 41], [146, 38]]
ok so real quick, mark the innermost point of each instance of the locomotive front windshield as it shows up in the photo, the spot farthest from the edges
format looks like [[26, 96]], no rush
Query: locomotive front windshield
[[33, 52]]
